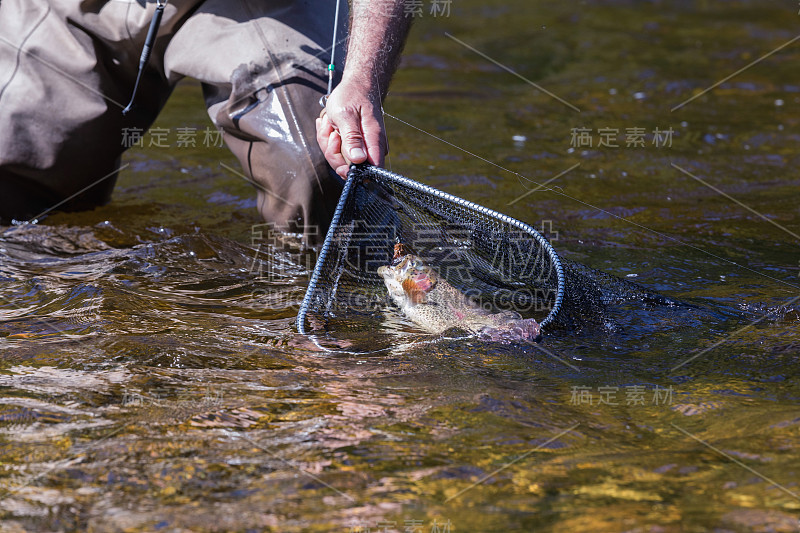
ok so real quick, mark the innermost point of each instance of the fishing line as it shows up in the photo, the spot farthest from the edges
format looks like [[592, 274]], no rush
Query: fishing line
[[331, 66], [560, 191], [147, 50]]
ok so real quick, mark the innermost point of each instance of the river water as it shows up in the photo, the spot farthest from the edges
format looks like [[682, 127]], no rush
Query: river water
[[152, 380]]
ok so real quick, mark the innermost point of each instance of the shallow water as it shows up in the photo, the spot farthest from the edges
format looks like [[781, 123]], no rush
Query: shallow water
[[152, 380]]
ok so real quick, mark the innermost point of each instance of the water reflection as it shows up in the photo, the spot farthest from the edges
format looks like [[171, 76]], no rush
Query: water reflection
[[151, 378]]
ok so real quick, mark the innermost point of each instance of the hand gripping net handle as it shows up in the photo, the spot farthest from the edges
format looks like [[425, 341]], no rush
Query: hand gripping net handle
[[359, 172]]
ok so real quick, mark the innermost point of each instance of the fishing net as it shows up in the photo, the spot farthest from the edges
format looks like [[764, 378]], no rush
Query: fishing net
[[498, 262]]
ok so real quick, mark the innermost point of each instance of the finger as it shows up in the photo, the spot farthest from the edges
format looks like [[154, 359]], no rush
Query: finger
[[322, 139], [330, 143], [324, 130], [375, 139], [335, 146], [349, 124], [334, 153]]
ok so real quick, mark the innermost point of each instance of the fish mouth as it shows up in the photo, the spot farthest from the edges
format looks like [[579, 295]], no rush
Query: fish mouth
[[399, 267], [401, 262], [399, 259]]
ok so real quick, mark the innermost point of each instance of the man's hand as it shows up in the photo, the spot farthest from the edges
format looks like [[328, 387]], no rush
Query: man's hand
[[351, 128]]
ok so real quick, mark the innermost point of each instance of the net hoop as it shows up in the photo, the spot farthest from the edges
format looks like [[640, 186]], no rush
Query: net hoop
[[359, 172]]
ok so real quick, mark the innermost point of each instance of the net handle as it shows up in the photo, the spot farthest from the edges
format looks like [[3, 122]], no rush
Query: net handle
[[360, 171], [302, 313]]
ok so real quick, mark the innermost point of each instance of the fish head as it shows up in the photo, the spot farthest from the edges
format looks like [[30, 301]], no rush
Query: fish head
[[408, 279]]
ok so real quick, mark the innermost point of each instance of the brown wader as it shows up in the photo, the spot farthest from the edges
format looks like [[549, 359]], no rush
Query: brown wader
[[67, 68]]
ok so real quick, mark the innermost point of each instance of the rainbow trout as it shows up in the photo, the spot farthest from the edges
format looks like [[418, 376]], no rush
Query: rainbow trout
[[435, 305]]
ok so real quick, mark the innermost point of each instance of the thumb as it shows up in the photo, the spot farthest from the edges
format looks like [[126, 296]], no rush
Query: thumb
[[353, 147]]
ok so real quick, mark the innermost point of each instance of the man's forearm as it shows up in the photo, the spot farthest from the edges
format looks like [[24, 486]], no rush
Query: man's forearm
[[351, 128], [378, 31]]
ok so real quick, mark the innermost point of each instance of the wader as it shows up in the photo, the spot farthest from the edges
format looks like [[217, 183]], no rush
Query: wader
[[67, 68]]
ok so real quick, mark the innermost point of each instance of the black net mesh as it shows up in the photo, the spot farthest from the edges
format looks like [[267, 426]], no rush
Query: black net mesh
[[592, 298], [498, 262]]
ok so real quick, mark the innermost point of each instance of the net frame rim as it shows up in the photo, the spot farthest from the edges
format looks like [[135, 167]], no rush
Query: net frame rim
[[359, 172]]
